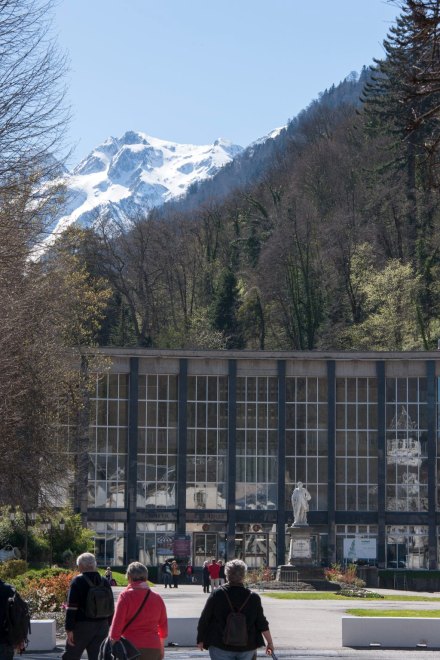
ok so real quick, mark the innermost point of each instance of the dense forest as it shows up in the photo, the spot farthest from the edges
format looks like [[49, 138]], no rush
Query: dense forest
[[325, 237]]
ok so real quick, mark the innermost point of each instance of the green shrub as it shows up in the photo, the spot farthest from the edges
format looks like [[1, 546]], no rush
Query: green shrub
[[11, 568], [22, 581]]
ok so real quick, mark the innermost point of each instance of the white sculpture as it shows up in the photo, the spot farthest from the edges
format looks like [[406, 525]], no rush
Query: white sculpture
[[300, 504]]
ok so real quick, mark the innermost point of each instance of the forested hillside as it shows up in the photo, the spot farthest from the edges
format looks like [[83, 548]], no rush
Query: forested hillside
[[325, 237]]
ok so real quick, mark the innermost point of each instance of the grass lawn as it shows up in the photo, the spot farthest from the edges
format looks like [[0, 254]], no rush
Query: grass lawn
[[431, 614], [328, 595], [121, 580], [119, 576]]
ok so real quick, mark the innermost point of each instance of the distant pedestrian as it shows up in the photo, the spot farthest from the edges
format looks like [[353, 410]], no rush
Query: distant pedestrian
[[109, 577], [212, 623], [189, 571], [206, 580], [85, 630], [166, 573], [175, 572], [221, 574], [214, 572]]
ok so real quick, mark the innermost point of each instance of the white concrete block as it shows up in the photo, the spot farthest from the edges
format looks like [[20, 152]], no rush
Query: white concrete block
[[43, 635], [182, 631], [390, 632]]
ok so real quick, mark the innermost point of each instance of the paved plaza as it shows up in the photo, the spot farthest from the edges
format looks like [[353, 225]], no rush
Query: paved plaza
[[301, 629]]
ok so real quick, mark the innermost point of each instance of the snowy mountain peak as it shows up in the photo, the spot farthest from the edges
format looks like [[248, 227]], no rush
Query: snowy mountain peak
[[128, 176]]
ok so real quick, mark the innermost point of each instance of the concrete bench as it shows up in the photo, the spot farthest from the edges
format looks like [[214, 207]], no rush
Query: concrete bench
[[182, 631], [43, 635], [390, 632]]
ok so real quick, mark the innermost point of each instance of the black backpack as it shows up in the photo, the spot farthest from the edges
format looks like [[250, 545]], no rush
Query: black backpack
[[100, 603], [17, 621], [236, 631]]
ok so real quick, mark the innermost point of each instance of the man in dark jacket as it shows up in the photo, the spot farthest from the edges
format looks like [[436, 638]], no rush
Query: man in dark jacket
[[212, 623], [6, 648], [82, 631]]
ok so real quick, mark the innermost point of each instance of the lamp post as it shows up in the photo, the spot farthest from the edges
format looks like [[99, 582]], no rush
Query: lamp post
[[46, 526], [29, 518]]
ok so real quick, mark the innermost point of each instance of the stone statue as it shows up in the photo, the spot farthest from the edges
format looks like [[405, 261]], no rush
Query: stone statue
[[300, 504]]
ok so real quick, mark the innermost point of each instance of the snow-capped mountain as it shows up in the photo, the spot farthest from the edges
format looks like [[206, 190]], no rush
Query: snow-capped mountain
[[127, 176]]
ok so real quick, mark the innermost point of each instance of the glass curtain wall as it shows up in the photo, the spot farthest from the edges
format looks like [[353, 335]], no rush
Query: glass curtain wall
[[257, 442], [157, 441], [306, 439], [108, 441], [109, 540], [407, 445], [407, 546], [356, 444], [155, 542], [207, 442]]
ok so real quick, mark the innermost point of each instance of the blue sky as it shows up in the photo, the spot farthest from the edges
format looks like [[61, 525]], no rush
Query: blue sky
[[195, 70]]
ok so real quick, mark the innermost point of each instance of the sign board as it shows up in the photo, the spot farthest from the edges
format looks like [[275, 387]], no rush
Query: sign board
[[159, 516], [182, 546], [301, 548], [206, 516], [360, 548]]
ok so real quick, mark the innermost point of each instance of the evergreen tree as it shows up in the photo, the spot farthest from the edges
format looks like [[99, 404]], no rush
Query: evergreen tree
[[224, 309], [402, 100]]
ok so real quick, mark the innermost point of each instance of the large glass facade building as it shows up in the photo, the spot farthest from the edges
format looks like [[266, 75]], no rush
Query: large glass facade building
[[196, 454]]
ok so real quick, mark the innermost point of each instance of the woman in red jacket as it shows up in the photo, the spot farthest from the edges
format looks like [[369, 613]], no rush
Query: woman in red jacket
[[149, 628]]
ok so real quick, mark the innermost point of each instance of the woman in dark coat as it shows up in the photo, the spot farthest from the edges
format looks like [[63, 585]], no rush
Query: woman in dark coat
[[206, 580], [233, 596]]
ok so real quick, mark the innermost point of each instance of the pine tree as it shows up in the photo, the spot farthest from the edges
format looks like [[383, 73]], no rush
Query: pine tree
[[402, 100], [224, 309]]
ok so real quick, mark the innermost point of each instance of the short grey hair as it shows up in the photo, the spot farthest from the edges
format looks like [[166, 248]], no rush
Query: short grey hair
[[86, 562], [137, 571], [235, 570]]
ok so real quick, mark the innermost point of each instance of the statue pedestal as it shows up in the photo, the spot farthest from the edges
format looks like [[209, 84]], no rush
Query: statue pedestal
[[300, 549], [302, 554]]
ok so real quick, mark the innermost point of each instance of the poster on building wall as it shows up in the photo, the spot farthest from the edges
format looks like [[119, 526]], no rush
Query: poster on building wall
[[182, 546], [164, 545], [360, 548]]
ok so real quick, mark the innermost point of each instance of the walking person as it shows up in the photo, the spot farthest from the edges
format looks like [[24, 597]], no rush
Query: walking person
[[234, 596], [221, 574], [206, 580], [166, 572], [12, 639], [87, 617], [6, 648], [175, 572], [189, 571], [140, 615], [214, 572]]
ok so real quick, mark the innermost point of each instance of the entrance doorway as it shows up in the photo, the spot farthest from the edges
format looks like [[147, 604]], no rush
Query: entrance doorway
[[205, 547], [253, 548]]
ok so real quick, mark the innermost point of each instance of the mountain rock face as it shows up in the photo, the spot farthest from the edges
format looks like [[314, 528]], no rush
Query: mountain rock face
[[126, 177]]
